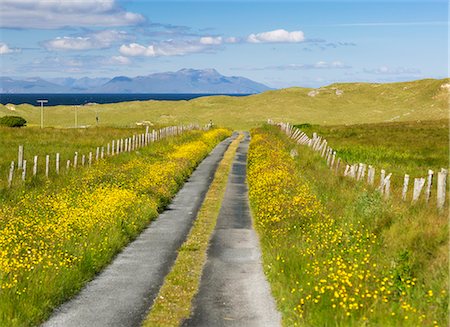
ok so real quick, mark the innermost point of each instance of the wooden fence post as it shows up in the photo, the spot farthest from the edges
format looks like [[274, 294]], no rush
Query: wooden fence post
[[97, 153], [57, 163], [387, 186], [429, 182], [405, 187], [24, 170], [11, 174], [333, 157], [418, 185], [347, 167], [20, 157], [75, 160], [371, 175], [112, 147], [68, 165], [83, 160], [35, 165], [47, 165], [102, 152], [441, 188], [108, 149], [337, 165]]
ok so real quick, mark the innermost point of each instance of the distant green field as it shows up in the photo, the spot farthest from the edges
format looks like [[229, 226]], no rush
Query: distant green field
[[350, 103], [399, 148], [50, 141]]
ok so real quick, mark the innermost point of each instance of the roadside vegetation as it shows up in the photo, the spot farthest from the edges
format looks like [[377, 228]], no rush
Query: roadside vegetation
[[56, 237], [40, 142], [173, 303], [399, 148], [335, 252]]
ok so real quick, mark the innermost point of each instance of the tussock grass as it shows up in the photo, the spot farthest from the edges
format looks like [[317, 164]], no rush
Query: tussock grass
[[174, 300], [343, 256], [359, 103]]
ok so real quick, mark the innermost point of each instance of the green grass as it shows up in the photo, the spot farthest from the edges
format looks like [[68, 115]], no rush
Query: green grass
[[399, 148], [56, 237], [360, 103], [50, 141], [316, 225], [174, 301]]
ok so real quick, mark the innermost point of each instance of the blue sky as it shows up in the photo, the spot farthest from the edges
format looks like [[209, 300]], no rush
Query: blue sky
[[281, 44]]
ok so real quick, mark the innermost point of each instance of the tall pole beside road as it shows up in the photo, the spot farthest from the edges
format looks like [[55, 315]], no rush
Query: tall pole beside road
[[42, 111]]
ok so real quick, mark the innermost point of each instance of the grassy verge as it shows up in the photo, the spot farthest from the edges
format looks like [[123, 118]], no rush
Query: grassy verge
[[50, 141], [55, 238], [399, 148], [335, 253], [173, 303]]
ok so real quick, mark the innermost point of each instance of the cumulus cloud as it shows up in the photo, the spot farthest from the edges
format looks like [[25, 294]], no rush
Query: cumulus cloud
[[163, 49], [96, 40], [5, 49], [52, 14], [211, 40], [120, 60], [277, 36]]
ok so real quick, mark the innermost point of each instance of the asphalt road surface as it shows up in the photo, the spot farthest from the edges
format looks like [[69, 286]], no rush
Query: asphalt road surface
[[233, 289], [122, 293]]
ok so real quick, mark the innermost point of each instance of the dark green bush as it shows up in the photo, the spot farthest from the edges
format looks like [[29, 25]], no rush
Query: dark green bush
[[12, 121]]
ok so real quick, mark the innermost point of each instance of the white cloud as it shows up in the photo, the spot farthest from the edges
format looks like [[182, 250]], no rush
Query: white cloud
[[97, 40], [386, 70], [135, 49], [120, 60], [5, 49], [211, 40], [51, 14], [231, 39], [277, 36], [162, 49]]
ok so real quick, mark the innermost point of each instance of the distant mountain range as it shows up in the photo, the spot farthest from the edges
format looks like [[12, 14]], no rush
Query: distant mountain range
[[183, 81]]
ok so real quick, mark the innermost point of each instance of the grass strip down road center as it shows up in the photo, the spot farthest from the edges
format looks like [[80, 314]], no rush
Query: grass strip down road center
[[174, 301]]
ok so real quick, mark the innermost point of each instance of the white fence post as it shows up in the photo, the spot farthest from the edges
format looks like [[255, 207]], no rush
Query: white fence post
[[35, 165], [405, 187], [57, 163], [11, 174], [418, 185], [20, 157], [429, 182], [24, 170], [441, 188], [75, 160], [47, 165]]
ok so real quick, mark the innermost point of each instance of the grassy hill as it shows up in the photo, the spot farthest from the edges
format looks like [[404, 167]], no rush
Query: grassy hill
[[342, 103]]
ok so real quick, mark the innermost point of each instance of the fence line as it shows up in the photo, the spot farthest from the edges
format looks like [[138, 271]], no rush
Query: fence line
[[115, 147], [358, 171]]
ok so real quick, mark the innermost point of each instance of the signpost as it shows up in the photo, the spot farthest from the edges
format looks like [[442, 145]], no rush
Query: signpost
[[42, 111]]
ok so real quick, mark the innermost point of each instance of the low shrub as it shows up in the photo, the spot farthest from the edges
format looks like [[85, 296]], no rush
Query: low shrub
[[12, 121]]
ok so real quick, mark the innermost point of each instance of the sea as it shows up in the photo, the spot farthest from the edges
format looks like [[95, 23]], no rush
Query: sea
[[92, 98]]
